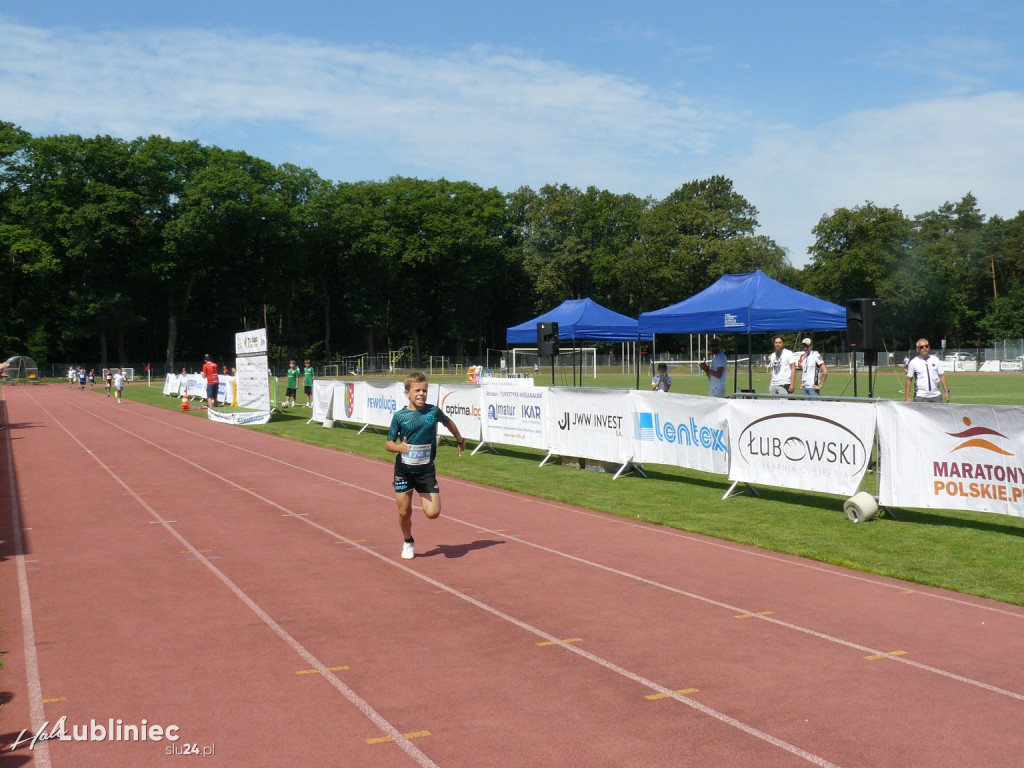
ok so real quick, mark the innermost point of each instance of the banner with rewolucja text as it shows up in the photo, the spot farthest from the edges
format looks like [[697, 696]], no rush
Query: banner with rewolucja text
[[952, 457], [813, 445]]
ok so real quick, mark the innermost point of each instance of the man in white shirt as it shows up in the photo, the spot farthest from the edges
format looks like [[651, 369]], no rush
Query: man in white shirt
[[813, 371], [926, 376], [782, 369], [715, 369]]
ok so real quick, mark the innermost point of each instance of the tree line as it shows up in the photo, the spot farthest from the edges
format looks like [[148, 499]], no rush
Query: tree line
[[156, 249]]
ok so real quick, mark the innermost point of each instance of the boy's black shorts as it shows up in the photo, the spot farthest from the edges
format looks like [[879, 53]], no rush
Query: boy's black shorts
[[407, 482]]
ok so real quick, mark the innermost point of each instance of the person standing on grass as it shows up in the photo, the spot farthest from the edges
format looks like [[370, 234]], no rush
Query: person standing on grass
[[307, 382], [119, 380], [715, 369], [813, 371], [212, 381], [661, 382], [293, 382], [413, 437], [782, 369], [925, 376]]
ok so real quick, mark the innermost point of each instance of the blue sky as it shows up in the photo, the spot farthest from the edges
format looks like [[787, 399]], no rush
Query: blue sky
[[806, 106]]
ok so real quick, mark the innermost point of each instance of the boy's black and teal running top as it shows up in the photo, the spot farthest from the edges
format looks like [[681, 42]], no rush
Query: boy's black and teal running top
[[419, 430]]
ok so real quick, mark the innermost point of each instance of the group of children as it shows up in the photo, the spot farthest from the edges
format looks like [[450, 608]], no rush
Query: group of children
[[293, 384], [113, 381]]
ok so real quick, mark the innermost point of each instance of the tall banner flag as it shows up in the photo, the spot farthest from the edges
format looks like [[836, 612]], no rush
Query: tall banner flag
[[811, 445], [252, 380], [947, 456]]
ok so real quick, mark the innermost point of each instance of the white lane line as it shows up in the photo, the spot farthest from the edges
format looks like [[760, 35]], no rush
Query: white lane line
[[735, 548], [361, 704], [710, 601], [37, 713], [390, 730]]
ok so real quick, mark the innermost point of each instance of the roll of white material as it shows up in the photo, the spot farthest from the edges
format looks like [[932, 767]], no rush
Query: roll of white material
[[861, 507]]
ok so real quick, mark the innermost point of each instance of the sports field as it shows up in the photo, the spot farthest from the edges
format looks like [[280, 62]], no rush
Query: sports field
[[243, 593]]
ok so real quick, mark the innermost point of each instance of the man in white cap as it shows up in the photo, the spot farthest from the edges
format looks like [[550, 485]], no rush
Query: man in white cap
[[813, 370]]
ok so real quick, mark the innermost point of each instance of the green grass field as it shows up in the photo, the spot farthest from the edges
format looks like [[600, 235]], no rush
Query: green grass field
[[974, 553]]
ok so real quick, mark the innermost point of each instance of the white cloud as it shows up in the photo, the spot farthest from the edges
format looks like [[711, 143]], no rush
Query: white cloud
[[500, 117], [916, 156]]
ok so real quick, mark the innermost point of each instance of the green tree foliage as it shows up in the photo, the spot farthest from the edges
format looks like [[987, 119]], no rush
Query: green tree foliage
[[160, 248]]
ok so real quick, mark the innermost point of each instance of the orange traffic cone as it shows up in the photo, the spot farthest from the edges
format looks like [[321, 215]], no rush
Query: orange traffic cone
[[184, 402]]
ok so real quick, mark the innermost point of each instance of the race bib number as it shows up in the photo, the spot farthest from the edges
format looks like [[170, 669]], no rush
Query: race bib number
[[418, 454]]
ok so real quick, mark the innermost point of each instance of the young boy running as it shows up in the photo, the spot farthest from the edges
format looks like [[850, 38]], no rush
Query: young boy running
[[119, 379], [413, 436]]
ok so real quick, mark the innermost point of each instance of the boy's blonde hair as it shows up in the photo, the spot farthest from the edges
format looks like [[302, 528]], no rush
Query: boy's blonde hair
[[414, 378]]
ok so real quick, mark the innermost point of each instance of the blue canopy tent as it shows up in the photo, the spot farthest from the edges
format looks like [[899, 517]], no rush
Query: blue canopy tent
[[578, 320], [746, 303]]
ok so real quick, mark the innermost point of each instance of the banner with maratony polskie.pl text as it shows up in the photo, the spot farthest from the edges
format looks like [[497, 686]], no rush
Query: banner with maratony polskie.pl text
[[951, 456]]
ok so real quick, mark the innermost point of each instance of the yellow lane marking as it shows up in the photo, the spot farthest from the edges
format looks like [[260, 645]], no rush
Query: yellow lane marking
[[752, 615], [559, 642], [884, 655], [386, 739], [314, 671], [681, 692], [55, 699]]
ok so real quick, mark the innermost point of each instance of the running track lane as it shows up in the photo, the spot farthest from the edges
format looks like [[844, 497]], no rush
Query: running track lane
[[247, 589]]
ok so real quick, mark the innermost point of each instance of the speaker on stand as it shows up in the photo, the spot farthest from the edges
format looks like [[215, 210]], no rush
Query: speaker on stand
[[547, 344], [863, 334]]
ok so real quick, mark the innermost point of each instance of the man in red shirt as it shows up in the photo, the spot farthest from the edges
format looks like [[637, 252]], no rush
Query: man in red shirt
[[212, 381]]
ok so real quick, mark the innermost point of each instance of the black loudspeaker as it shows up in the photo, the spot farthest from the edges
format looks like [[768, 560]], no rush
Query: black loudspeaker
[[547, 339], [862, 318]]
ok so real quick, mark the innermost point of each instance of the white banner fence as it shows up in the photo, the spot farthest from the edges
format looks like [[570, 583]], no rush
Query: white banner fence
[[932, 456]]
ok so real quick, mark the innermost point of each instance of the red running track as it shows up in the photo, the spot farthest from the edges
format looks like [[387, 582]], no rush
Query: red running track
[[247, 589]]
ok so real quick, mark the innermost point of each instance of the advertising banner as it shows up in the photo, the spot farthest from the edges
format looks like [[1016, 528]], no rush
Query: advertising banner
[[590, 423], [382, 398], [349, 402], [461, 403], [514, 413], [808, 445], [253, 379], [681, 430], [171, 384], [323, 395], [251, 342], [952, 457]]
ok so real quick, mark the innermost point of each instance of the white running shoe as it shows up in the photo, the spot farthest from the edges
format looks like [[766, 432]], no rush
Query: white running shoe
[[408, 550]]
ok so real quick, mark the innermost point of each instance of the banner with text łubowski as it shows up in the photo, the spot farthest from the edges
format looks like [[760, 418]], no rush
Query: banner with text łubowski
[[952, 457], [812, 445]]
